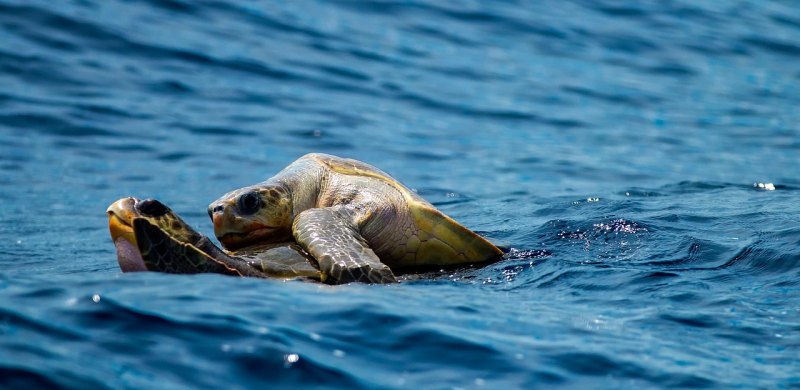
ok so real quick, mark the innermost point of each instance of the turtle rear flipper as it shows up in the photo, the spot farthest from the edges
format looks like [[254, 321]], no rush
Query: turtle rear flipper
[[332, 238], [163, 253]]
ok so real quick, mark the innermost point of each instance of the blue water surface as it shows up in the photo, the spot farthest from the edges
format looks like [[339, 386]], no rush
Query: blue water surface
[[614, 147]]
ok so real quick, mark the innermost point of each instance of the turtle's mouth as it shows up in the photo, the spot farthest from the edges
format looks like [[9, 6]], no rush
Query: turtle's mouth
[[120, 219], [263, 235], [120, 228]]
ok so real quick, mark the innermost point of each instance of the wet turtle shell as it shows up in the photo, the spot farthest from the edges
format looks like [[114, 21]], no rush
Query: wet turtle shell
[[350, 216]]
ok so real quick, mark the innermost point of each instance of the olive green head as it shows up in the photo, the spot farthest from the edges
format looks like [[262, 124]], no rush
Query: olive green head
[[253, 215]]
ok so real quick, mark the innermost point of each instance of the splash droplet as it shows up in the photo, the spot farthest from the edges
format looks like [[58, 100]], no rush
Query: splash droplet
[[764, 186], [291, 358]]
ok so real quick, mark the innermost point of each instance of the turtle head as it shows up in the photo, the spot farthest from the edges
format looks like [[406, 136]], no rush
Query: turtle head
[[257, 214], [121, 217]]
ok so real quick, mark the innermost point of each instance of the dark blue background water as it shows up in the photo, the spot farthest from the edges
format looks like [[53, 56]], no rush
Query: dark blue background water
[[613, 147]]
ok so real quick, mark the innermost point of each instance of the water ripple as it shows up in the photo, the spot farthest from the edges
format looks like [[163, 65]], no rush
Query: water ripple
[[51, 125]]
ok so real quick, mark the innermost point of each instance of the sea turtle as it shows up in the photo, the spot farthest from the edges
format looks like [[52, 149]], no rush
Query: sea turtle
[[350, 216], [150, 236]]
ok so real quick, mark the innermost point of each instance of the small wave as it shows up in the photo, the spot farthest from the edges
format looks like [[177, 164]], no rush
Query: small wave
[[619, 226], [174, 6], [218, 131], [599, 364], [36, 69], [776, 253], [515, 253], [175, 156], [172, 87], [698, 321], [39, 378], [334, 71], [438, 33], [16, 322], [589, 232], [51, 125], [629, 98], [691, 187], [773, 45], [249, 366]]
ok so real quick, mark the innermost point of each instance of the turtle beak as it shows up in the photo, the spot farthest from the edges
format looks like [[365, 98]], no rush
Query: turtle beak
[[120, 219], [120, 225], [219, 213], [217, 218], [225, 222]]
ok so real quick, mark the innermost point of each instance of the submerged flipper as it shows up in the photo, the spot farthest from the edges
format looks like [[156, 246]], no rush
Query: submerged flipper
[[332, 238]]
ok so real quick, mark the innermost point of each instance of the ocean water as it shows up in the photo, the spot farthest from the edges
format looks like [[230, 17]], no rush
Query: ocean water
[[616, 149]]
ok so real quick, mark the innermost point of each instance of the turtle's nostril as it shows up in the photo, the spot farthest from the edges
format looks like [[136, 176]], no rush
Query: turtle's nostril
[[216, 209], [151, 207]]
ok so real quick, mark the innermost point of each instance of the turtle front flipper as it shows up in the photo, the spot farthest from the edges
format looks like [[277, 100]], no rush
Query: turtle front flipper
[[163, 253], [332, 238]]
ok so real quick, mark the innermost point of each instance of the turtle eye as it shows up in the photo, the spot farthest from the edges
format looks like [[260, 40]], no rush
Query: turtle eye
[[151, 208], [249, 203]]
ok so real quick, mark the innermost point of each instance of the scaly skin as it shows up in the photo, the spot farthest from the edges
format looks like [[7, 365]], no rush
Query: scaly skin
[[150, 236], [382, 215]]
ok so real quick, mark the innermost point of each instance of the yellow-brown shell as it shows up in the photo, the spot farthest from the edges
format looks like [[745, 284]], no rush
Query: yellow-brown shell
[[439, 240]]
